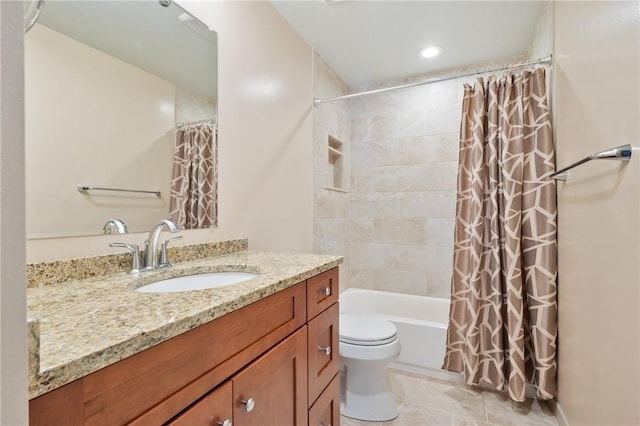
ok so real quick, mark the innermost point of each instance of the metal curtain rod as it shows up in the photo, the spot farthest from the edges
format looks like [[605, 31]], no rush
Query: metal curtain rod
[[189, 123], [546, 60], [87, 188], [622, 153]]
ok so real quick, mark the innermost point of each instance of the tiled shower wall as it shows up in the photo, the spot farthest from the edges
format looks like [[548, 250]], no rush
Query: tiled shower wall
[[404, 150], [331, 208], [394, 225]]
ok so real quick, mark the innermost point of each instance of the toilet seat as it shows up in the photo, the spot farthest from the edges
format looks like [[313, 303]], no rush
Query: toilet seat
[[366, 330]]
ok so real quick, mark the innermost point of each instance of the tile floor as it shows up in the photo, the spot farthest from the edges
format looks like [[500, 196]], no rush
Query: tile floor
[[425, 401]]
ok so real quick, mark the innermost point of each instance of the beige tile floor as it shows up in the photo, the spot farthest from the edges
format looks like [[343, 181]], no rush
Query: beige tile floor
[[425, 401]]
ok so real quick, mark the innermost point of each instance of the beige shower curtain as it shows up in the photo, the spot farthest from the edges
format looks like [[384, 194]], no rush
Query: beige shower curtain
[[503, 315], [193, 189]]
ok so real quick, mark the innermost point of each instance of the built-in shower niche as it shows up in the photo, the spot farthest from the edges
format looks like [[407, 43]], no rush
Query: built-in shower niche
[[336, 161]]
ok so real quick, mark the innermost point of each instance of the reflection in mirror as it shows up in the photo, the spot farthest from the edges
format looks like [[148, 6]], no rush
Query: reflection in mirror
[[106, 85]]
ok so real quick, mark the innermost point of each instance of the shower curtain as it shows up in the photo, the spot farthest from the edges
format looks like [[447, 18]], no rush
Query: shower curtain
[[503, 315], [193, 189]]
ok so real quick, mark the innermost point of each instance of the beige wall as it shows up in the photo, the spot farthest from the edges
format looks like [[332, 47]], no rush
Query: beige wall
[[13, 333], [597, 91], [95, 120], [265, 136]]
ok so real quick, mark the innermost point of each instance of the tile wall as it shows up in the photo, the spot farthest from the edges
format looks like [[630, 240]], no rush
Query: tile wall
[[404, 151], [331, 208]]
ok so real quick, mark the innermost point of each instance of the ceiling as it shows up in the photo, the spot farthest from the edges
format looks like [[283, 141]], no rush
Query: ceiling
[[369, 42]]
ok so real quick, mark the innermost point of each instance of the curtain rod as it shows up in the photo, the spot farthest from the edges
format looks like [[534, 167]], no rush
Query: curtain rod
[[545, 60], [190, 123]]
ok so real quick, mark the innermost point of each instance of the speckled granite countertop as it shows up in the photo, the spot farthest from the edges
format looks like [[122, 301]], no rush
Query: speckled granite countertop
[[88, 324]]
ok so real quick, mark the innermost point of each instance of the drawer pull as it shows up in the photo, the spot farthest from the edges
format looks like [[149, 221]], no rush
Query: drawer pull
[[322, 424], [326, 350], [225, 422], [249, 404], [327, 291]]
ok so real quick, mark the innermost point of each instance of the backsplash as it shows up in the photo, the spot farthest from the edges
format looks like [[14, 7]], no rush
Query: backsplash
[[59, 271]]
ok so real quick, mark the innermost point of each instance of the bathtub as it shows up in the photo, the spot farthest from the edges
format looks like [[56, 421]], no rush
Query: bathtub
[[421, 322]]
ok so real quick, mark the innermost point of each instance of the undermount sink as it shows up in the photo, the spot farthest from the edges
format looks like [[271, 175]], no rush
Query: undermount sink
[[196, 282]]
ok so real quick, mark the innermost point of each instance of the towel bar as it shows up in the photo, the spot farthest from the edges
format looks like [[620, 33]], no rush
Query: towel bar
[[87, 188], [622, 153]]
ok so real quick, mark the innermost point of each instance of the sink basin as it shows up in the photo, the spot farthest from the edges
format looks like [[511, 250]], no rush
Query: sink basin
[[196, 282]]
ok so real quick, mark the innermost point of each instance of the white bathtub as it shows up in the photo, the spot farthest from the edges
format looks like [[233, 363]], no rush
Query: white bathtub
[[421, 322]]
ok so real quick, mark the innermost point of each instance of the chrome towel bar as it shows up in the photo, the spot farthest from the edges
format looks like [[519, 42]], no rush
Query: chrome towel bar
[[87, 188], [622, 153]]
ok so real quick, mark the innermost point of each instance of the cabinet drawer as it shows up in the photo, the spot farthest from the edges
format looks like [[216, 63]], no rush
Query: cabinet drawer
[[326, 410], [213, 409], [322, 292], [322, 350]]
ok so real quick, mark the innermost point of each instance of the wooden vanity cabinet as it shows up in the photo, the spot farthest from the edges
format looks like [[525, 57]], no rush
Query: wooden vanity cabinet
[[323, 349], [202, 377], [272, 390]]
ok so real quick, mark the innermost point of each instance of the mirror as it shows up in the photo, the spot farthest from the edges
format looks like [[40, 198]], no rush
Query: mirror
[[107, 85]]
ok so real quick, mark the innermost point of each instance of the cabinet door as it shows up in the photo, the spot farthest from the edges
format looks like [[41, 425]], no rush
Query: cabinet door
[[273, 389], [212, 410], [324, 357], [326, 410]]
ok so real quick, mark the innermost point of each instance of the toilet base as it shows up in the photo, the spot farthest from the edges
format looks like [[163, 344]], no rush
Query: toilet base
[[367, 395]]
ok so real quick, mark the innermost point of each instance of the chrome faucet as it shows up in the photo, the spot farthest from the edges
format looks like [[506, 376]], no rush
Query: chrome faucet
[[115, 226], [151, 252]]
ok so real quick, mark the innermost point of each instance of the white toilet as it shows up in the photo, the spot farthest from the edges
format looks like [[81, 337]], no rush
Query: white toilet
[[367, 345]]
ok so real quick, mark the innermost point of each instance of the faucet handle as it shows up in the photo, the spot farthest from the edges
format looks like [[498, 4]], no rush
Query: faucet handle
[[135, 254], [164, 262], [146, 252]]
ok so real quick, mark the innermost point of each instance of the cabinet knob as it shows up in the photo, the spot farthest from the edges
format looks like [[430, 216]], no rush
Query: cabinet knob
[[322, 424], [225, 422], [327, 291], [249, 404], [326, 350]]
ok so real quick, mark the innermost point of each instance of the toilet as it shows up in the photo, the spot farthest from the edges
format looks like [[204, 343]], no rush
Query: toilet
[[368, 344]]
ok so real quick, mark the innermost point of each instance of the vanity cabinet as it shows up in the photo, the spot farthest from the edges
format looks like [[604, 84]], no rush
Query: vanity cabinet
[[322, 349], [271, 390], [256, 357]]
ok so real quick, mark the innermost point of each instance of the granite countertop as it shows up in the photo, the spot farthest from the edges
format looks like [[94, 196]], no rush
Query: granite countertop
[[85, 325]]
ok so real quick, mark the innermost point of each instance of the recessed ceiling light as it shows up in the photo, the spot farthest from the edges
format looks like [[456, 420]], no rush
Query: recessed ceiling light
[[430, 52]]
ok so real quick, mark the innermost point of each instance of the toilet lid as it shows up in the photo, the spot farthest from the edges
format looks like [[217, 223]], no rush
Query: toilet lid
[[366, 330]]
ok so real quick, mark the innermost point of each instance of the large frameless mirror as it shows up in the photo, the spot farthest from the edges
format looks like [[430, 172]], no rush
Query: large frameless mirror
[[115, 93]]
